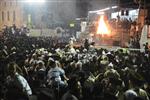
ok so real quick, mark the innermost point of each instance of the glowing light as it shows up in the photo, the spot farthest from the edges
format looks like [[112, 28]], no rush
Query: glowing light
[[102, 10], [35, 1], [100, 13], [102, 27], [113, 7], [106, 9], [91, 34]]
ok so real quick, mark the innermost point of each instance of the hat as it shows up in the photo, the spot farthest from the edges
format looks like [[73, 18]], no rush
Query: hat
[[110, 65], [130, 95], [50, 59], [40, 62]]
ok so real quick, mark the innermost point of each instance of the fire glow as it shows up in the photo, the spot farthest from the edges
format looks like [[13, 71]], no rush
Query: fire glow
[[102, 27]]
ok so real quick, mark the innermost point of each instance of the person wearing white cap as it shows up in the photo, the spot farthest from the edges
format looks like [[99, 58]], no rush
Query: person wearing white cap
[[130, 95]]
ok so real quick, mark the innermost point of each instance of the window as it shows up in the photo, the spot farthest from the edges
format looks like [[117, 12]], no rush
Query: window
[[8, 17], [2, 16], [5, 4], [14, 15], [15, 3], [10, 3]]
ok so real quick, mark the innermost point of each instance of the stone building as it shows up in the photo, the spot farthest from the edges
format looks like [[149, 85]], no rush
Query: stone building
[[39, 15], [10, 13]]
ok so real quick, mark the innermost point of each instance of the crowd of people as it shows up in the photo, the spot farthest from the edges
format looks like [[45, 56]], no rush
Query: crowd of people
[[14, 30], [123, 23], [50, 70]]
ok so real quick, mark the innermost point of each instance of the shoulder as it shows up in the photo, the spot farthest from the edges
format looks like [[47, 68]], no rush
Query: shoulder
[[69, 96], [142, 92], [20, 78]]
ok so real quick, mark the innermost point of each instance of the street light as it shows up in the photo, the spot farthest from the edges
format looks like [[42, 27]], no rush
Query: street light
[[31, 5]]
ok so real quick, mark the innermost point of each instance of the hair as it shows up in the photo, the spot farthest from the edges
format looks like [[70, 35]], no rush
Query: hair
[[58, 63], [13, 67], [53, 64], [72, 82]]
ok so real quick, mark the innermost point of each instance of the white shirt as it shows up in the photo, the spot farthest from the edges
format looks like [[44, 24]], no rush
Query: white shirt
[[21, 83], [55, 73]]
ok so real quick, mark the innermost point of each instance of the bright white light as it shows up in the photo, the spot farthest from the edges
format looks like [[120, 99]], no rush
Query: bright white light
[[113, 7], [35, 1], [102, 10], [106, 9], [102, 27], [100, 13], [96, 11]]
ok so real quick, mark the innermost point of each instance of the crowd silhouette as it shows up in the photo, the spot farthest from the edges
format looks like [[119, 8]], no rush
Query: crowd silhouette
[[43, 68]]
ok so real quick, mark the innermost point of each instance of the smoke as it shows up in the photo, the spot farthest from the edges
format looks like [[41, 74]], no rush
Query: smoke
[[65, 11], [83, 6], [101, 4]]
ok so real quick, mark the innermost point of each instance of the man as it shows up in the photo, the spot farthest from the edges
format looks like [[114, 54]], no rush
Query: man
[[18, 87], [146, 48], [74, 90], [86, 44], [55, 75], [136, 83], [130, 95]]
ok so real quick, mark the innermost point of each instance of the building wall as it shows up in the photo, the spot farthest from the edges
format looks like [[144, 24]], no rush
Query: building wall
[[142, 16], [10, 13]]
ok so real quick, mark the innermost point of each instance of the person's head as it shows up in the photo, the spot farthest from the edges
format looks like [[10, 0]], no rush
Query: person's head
[[58, 64], [34, 56], [5, 47], [75, 86], [136, 80], [130, 95], [12, 68], [40, 65], [51, 62], [78, 65]]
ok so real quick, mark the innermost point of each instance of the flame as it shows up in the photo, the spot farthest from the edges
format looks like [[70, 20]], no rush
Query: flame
[[102, 27]]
